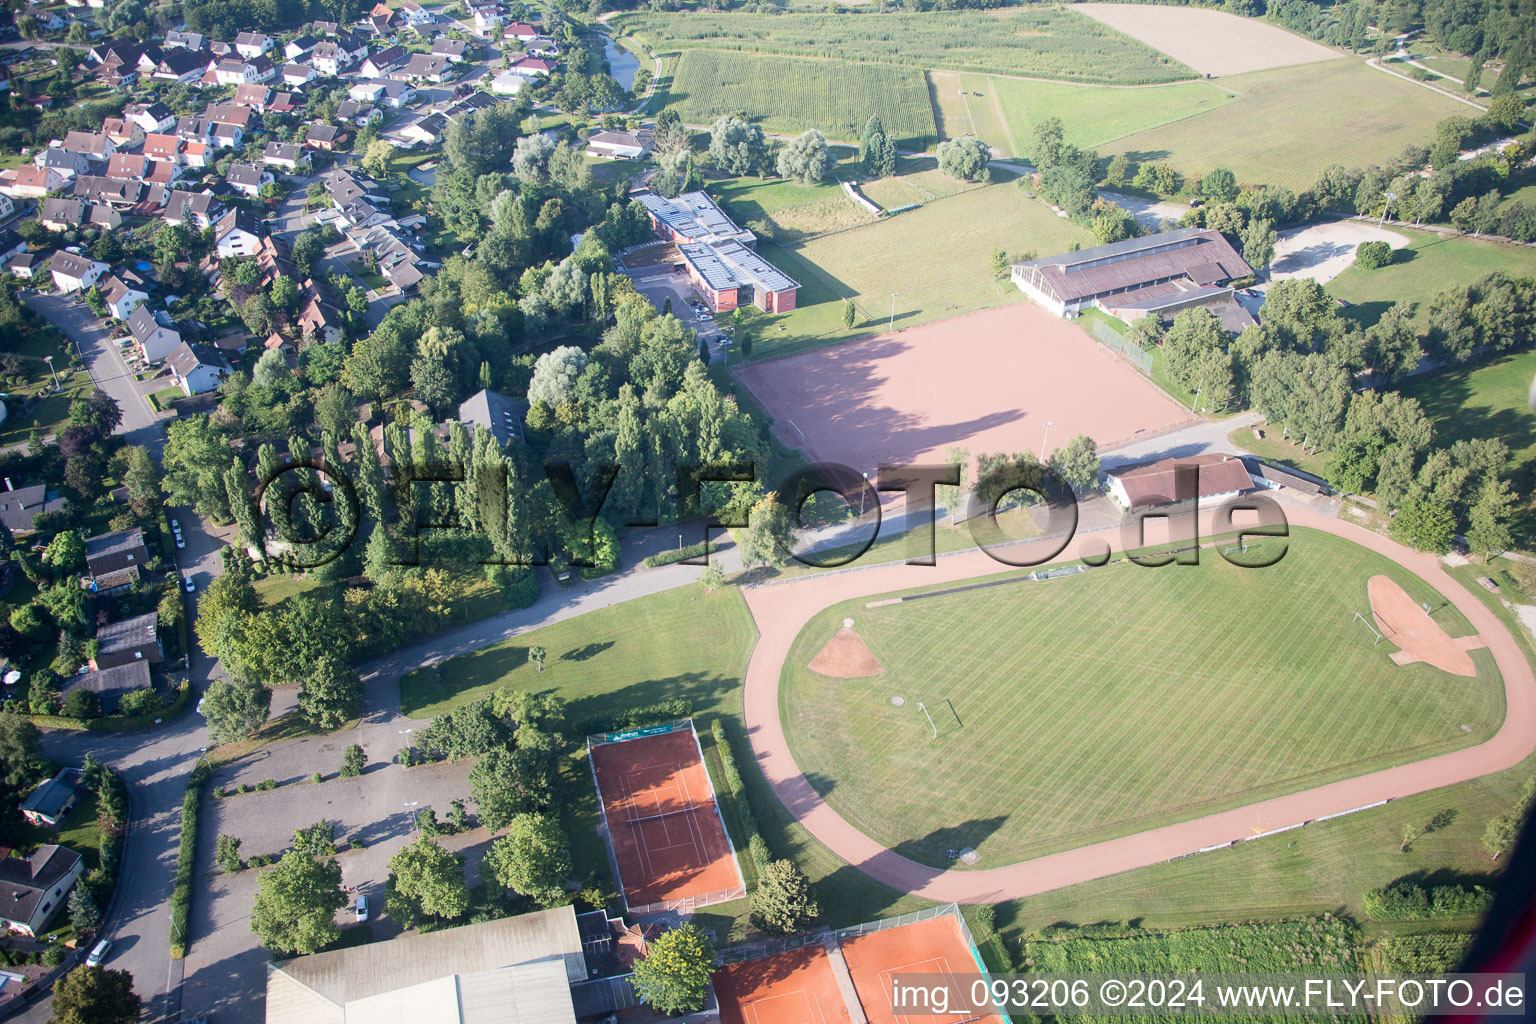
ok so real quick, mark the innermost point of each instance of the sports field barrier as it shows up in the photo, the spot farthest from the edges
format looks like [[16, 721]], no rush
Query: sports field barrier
[[769, 947], [1133, 353]]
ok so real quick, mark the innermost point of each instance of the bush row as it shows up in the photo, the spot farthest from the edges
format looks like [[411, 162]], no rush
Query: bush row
[[739, 801], [676, 555], [1408, 902], [634, 718], [186, 855], [1429, 953]]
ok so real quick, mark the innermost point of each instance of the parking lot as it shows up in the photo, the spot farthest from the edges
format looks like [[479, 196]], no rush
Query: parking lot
[[224, 976], [660, 283]]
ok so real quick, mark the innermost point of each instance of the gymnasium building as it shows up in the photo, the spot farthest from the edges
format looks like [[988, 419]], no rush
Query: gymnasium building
[[719, 256]]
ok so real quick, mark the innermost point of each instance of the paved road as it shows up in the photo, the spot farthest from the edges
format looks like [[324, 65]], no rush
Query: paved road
[[780, 612]]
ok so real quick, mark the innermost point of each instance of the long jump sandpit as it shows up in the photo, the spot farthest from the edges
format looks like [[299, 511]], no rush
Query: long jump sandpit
[[988, 382]]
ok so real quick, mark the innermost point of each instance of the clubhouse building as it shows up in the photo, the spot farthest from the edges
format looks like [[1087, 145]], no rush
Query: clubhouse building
[[1157, 274], [719, 256]]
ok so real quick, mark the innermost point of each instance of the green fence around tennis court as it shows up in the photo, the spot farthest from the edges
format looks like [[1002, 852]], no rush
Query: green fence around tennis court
[[1122, 346]]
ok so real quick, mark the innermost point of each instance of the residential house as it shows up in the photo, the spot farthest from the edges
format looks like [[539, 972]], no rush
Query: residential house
[[486, 18], [620, 145], [360, 114], [20, 506], [324, 28], [237, 234], [73, 272], [121, 299], [116, 53], [182, 67], [110, 685], [367, 91], [325, 137], [231, 71], [127, 166], [113, 560], [162, 148], [452, 49], [532, 67], [520, 30], [424, 67], [297, 75], [47, 805], [23, 265], [152, 117], [62, 214], [111, 191], [129, 640], [427, 131], [199, 210], [226, 136], [34, 887], [249, 178], [253, 44], [379, 65], [184, 40], [10, 242], [494, 411], [67, 162], [412, 13], [93, 145], [196, 154], [241, 117], [542, 46], [197, 368], [285, 102], [282, 154], [296, 48], [6, 209], [318, 319], [122, 132], [33, 182], [508, 83], [155, 340], [255, 96]]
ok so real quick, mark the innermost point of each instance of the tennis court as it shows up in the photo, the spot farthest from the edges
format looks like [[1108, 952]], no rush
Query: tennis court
[[664, 828], [933, 947], [796, 987]]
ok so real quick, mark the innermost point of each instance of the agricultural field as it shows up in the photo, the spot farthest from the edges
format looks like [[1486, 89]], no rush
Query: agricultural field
[[1426, 265], [1291, 123], [1211, 42], [1034, 42], [1092, 116], [1058, 742], [789, 95], [934, 257]]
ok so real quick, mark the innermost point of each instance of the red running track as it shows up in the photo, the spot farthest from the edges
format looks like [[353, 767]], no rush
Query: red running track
[[782, 610]]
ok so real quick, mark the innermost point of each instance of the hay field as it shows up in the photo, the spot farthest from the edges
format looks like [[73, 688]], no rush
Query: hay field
[[1211, 42], [1291, 123]]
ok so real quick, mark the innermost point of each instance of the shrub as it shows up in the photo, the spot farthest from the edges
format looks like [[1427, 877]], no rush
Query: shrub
[[1408, 902], [634, 718], [228, 853], [676, 555], [186, 854], [55, 956], [1371, 255], [265, 784], [218, 792], [353, 761], [405, 756], [317, 777]]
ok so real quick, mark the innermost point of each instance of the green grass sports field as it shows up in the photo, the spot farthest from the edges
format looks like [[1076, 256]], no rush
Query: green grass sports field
[[1098, 705]]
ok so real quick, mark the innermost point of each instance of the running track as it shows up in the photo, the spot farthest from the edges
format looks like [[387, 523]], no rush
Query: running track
[[782, 611]]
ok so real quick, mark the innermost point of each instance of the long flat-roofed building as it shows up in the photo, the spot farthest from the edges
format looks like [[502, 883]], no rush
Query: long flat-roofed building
[[1147, 274], [729, 275], [692, 217]]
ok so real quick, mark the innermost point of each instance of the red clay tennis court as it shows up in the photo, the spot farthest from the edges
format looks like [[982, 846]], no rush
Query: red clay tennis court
[[664, 828], [797, 987], [931, 947]]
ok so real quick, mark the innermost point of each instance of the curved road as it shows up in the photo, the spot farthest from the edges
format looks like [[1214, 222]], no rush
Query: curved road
[[782, 611]]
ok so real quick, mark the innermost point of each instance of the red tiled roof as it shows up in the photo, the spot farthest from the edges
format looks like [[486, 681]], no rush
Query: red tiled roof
[[1153, 483]]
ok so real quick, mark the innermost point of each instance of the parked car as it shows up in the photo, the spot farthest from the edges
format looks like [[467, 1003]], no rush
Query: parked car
[[98, 953], [180, 541], [362, 908], [186, 581], [175, 526]]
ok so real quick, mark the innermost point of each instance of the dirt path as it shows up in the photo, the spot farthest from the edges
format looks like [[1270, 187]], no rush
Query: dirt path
[[782, 611]]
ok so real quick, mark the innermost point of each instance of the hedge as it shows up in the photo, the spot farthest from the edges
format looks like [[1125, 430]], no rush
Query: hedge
[[676, 555], [117, 723], [757, 847], [1408, 902], [186, 855], [634, 718]]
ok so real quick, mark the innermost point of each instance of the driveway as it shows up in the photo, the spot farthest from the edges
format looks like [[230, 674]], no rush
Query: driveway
[[660, 284]]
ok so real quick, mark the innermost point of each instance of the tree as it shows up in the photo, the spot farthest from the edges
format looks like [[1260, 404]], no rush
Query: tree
[[430, 878], [1077, 462], [999, 263], [530, 159], [850, 314], [1488, 529], [235, 708], [783, 901], [536, 656], [1373, 255], [1259, 239], [331, 694], [194, 459], [735, 146], [506, 783], [768, 535], [21, 746], [555, 375], [377, 158], [673, 977], [227, 853], [1195, 332], [95, 995], [1426, 524], [353, 761], [1219, 184], [1119, 170], [296, 904], [532, 859], [270, 369], [66, 552], [965, 157], [84, 915], [806, 159], [1412, 833], [1392, 344], [877, 150]]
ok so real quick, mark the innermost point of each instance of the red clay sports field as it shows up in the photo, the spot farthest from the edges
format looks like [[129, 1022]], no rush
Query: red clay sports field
[[847, 977], [988, 382], [664, 828]]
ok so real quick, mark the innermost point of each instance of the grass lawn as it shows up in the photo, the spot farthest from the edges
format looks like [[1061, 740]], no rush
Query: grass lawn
[[1272, 448], [934, 257], [1486, 400], [1325, 867], [1042, 42], [791, 94], [795, 211], [1293, 122], [52, 413], [1429, 264], [1092, 116], [1044, 746]]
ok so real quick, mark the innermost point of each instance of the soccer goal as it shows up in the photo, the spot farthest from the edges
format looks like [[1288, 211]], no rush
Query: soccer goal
[[1367, 623]]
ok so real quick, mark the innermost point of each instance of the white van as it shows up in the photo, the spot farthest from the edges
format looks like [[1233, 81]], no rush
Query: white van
[[98, 953]]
